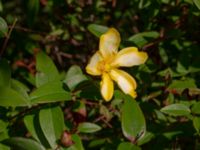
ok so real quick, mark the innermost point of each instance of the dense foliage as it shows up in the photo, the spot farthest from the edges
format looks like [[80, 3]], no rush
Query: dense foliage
[[48, 101]]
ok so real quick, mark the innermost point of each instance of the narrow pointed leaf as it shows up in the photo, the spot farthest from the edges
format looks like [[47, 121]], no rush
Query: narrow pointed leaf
[[176, 110], [87, 127]]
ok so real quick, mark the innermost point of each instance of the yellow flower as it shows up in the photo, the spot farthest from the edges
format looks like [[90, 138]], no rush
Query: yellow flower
[[106, 61]]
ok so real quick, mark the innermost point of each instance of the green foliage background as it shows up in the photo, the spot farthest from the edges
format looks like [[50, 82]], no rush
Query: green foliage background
[[47, 101]]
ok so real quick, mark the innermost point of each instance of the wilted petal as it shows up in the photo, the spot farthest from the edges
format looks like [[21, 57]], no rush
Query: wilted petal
[[130, 56], [92, 67], [106, 87], [109, 43], [125, 82]]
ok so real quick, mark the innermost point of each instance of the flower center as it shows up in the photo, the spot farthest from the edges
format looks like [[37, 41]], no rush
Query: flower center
[[105, 65]]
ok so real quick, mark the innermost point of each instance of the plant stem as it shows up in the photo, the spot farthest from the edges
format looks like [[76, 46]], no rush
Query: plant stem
[[7, 37]]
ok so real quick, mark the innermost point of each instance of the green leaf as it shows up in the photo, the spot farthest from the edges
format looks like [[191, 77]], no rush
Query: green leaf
[[127, 146], [47, 71], [181, 68], [1, 6], [5, 73], [9, 97], [168, 72], [196, 108], [172, 134], [97, 142], [194, 91], [50, 92], [4, 134], [97, 30], [3, 126], [20, 143], [146, 138], [52, 124], [77, 143], [196, 123], [105, 112], [87, 127], [133, 121], [4, 147], [197, 3], [29, 123], [20, 88], [163, 54], [74, 76], [32, 124], [140, 39], [176, 110], [180, 85], [3, 27], [33, 9]]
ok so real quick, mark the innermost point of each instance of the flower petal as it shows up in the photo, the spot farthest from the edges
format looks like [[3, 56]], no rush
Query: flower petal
[[107, 87], [92, 67], [129, 56], [109, 42], [125, 82]]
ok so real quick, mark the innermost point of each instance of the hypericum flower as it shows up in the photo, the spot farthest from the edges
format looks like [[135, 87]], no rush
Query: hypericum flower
[[106, 61]]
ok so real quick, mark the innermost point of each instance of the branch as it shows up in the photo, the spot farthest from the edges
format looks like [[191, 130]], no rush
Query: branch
[[8, 37]]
